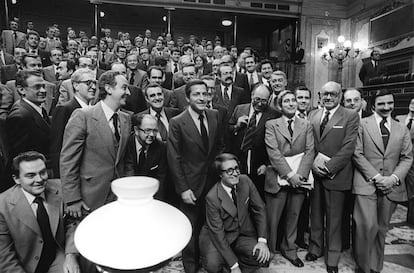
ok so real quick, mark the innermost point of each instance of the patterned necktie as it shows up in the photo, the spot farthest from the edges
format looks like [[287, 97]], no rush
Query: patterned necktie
[[247, 142], [234, 195], [161, 127], [203, 130], [410, 123], [48, 253], [226, 97], [116, 129], [290, 127], [385, 133], [132, 78], [324, 122]]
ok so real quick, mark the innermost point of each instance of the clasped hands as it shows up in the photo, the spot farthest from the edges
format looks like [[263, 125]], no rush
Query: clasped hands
[[385, 183]]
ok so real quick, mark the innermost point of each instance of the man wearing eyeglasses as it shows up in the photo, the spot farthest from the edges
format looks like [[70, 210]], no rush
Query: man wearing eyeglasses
[[84, 84], [234, 237], [247, 135], [335, 130], [146, 155]]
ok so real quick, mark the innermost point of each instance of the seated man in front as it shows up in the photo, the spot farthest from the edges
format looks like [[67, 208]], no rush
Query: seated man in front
[[32, 227], [234, 235]]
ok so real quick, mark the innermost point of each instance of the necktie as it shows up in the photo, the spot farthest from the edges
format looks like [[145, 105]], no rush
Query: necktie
[[410, 123], [48, 253], [385, 133], [251, 80], [57, 76], [290, 127], [103, 57], [324, 122], [175, 68], [302, 115], [233, 195], [45, 116], [161, 127], [203, 130], [116, 130], [249, 134], [226, 97], [132, 78], [141, 160]]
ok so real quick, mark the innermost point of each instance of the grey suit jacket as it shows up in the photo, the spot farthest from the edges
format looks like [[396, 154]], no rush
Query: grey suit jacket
[[140, 78], [8, 43], [401, 119], [66, 91], [20, 237], [371, 158], [280, 144], [49, 73], [90, 158], [338, 142]]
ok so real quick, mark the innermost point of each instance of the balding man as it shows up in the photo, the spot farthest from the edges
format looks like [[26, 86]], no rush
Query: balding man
[[335, 132], [353, 100]]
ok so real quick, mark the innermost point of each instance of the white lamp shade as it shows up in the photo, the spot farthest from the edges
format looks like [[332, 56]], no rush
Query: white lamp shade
[[135, 231], [341, 39]]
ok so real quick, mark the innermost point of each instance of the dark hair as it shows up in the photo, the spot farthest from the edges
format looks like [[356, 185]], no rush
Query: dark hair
[[107, 78], [160, 61], [281, 96], [190, 84], [23, 75], [380, 93], [28, 55], [32, 32], [25, 157], [302, 88], [151, 85], [223, 157], [265, 61], [70, 65], [104, 40], [175, 49], [118, 47], [187, 47], [154, 67]]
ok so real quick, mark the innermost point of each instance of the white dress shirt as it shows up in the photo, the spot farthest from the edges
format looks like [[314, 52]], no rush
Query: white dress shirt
[[194, 115], [108, 114], [30, 198]]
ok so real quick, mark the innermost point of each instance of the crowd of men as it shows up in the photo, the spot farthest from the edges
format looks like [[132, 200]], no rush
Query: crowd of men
[[253, 165]]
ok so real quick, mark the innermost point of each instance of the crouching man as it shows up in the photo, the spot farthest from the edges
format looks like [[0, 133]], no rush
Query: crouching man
[[234, 235]]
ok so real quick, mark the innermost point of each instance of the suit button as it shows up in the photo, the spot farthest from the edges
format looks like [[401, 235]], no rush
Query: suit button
[[36, 257], [380, 169]]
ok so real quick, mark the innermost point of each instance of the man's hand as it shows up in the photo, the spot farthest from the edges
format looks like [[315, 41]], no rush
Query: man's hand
[[236, 270], [261, 170], [71, 264], [242, 121], [75, 209], [188, 197], [263, 252], [385, 183], [319, 169], [295, 181]]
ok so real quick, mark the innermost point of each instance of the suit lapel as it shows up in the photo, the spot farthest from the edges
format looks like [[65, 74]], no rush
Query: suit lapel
[[37, 117], [317, 123], [102, 126], [192, 130], [298, 128], [332, 121], [226, 201], [125, 131], [281, 126], [392, 142], [23, 211], [374, 133], [212, 125], [53, 208]]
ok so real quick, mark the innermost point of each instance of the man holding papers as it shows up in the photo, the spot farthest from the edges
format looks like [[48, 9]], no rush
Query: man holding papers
[[290, 146], [335, 131]]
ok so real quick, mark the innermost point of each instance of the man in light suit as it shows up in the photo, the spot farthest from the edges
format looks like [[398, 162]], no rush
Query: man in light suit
[[12, 37], [234, 235], [383, 156], [286, 137], [136, 76], [247, 135], [5, 58], [193, 142], [335, 130], [50, 72], [8, 72], [34, 239], [93, 148]]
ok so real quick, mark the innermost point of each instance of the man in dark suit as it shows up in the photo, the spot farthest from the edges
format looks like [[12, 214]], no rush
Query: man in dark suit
[[227, 94], [247, 135], [12, 37], [212, 102], [84, 84], [353, 100], [372, 68], [135, 76], [239, 79], [146, 155], [105, 58], [35, 236], [28, 125], [148, 41], [156, 75], [32, 47], [50, 72], [8, 72], [335, 131], [234, 237], [193, 143], [253, 76], [383, 157], [145, 61], [179, 98], [278, 83]]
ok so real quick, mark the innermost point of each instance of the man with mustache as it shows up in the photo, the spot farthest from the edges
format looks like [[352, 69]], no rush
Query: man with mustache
[[382, 157]]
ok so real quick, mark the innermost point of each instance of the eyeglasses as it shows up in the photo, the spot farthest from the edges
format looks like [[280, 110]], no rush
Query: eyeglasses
[[149, 131], [232, 171], [332, 94], [89, 82], [263, 101]]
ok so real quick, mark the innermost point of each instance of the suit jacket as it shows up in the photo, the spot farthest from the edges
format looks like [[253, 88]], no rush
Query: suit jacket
[[169, 112], [150, 44], [8, 40], [225, 222], [91, 157], [21, 240], [45, 57], [140, 78], [237, 97], [371, 158], [368, 71], [66, 90], [8, 73], [109, 59], [279, 144], [168, 82], [188, 159], [144, 67], [49, 73], [236, 135], [155, 164], [8, 59], [27, 130], [401, 119], [136, 101], [52, 43], [240, 80], [337, 142], [61, 116], [179, 99]]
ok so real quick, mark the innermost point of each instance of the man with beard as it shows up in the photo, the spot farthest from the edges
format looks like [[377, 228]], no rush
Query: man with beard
[[266, 69], [50, 72], [135, 76], [278, 84], [247, 135], [146, 155], [382, 157]]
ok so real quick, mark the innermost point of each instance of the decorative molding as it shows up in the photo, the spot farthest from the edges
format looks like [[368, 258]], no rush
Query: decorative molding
[[395, 42]]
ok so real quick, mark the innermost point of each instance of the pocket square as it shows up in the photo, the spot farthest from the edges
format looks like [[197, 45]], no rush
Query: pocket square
[[337, 127], [153, 168]]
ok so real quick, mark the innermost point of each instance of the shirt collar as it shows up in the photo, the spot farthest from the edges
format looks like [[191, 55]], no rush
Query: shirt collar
[[378, 119], [331, 112], [81, 102], [36, 107], [30, 197], [107, 111], [154, 113], [194, 114], [226, 188]]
